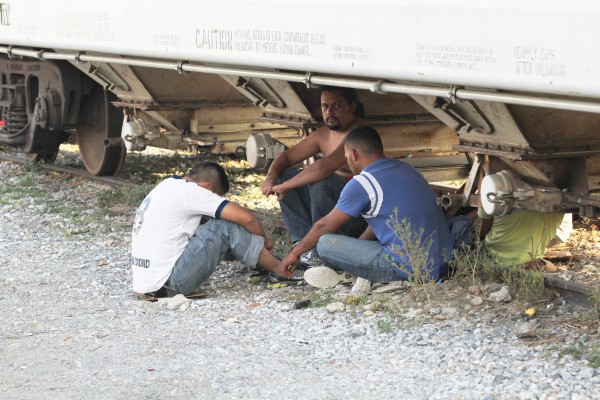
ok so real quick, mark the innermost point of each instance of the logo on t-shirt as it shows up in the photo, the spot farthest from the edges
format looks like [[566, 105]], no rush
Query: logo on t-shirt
[[139, 216]]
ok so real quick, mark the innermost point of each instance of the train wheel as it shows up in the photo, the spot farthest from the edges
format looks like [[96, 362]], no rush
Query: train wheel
[[100, 145]]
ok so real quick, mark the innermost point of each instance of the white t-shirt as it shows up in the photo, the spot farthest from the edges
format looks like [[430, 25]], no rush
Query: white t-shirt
[[163, 226]]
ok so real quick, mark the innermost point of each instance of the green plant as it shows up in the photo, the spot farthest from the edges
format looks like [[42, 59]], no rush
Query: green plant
[[321, 298], [476, 264], [594, 356], [358, 300], [414, 248], [468, 262], [385, 325], [594, 299], [586, 350], [127, 196], [32, 167], [23, 192], [528, 284]]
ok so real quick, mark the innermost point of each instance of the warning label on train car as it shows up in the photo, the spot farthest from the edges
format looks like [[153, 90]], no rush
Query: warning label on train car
[[264, 41], [470, 58], [538, 61], [86, 25]]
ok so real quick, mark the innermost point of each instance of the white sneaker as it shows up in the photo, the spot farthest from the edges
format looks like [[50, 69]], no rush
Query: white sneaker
[[306, 257], [309, 258], [325, 277]]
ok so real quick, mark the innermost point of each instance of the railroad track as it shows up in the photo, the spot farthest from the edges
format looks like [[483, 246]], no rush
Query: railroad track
[[105, 180], [572, 291], [271, 222]]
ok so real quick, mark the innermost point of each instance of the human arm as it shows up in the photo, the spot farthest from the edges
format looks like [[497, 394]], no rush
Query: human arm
[[368, 234], [243, 217], [314, 172], [328, 224], [485, 222], [306, 148]]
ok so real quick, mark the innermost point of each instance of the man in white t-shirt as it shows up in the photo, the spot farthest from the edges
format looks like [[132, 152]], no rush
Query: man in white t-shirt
[[173, 253]]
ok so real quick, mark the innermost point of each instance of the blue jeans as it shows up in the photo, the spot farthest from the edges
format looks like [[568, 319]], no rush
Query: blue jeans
[[303, 206], [364, 258], [208, 246]]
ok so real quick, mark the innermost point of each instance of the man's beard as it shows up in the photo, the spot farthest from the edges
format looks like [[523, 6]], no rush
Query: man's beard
[[334, 124]]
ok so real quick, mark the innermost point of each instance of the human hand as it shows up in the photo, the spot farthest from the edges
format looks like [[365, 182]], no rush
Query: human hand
[[279, 191], [267, 185], [269, 244], [288, 265]]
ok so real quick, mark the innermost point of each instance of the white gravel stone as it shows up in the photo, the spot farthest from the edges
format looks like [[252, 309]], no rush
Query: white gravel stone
[[502, 295], [476, 301]]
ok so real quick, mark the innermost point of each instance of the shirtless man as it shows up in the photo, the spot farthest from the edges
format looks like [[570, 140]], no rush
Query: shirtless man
[[308, 195]]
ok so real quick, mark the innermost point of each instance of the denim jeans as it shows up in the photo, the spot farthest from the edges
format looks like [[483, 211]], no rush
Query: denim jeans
[[364, 258], [303, 206], [208, 246]]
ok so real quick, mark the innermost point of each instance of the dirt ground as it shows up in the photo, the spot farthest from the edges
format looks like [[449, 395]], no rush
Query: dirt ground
[[577, 260]]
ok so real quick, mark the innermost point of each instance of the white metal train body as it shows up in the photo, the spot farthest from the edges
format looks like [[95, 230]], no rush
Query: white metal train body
[[452, 86]]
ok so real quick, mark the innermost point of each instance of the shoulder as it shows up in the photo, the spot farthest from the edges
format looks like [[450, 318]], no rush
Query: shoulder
[[169, 184], [363, 183], [386, 166], [320, 134]]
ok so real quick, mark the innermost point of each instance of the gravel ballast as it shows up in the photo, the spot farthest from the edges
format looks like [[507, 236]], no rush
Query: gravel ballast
[[72, 329]]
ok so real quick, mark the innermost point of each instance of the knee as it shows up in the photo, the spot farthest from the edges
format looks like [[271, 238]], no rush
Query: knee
[[286, 175], [212, 228], [325, 242]]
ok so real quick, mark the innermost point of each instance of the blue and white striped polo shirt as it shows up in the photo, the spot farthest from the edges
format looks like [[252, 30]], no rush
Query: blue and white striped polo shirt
[[388, 184]]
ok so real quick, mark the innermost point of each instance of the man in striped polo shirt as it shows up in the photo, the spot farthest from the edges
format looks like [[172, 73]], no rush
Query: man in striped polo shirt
[[406, 227]]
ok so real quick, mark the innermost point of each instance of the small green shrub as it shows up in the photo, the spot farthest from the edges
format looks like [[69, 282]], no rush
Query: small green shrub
[[414, 248], [469, 262], [32, 167], [589, 351], [385, 325], [321, 298]]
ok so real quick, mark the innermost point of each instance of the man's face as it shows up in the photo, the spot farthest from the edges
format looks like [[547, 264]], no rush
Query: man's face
[[337, 113]]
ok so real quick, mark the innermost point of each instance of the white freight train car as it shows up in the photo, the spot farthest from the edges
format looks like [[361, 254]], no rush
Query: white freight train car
[[452, 86]]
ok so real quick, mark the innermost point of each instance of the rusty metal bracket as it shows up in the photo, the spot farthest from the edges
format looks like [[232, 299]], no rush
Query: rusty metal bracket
[[475, 168], [463, 199]]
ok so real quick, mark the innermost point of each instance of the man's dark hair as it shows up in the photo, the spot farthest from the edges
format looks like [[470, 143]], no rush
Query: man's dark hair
[[350, 96], [366, 139], [212, 173]]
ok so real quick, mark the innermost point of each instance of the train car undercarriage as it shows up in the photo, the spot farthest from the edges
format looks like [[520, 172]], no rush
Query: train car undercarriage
[[538, 158]]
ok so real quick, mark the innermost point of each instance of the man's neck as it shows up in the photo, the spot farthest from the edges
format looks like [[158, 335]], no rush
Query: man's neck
[[370, 161]]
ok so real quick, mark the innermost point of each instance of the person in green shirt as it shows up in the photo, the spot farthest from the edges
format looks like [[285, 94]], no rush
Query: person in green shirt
[[519, 237]]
